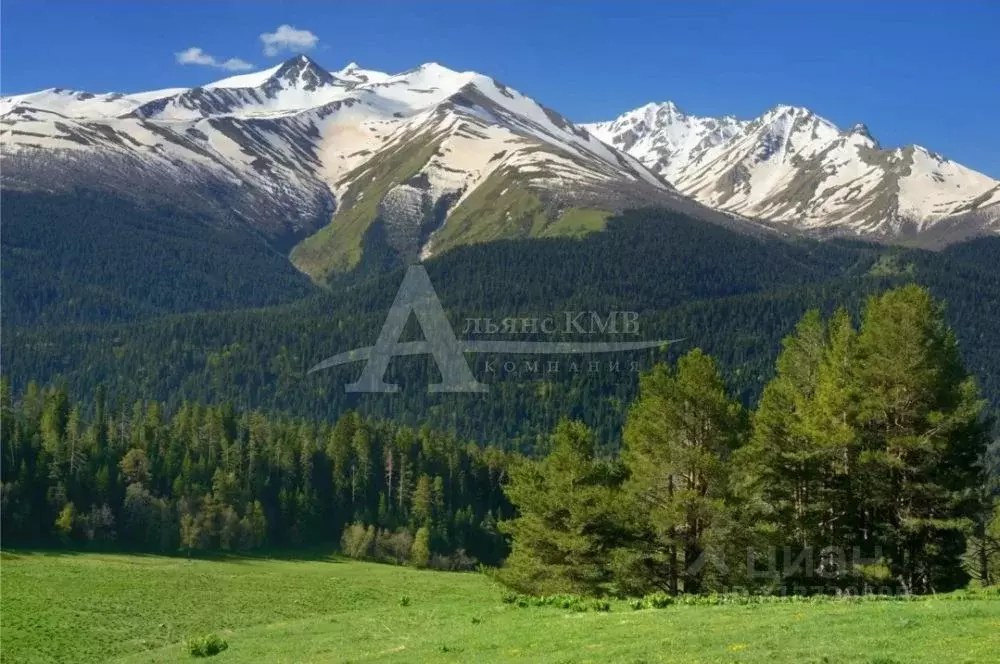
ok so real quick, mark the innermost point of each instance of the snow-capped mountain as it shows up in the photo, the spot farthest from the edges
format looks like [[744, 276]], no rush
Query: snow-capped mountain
[[792, 166], [431, 156], [335, 162]]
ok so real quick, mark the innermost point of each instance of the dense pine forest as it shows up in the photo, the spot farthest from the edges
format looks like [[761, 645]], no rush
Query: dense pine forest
[[733, 296], [90, 257], [824, 423], [865, 467], [203, 478]]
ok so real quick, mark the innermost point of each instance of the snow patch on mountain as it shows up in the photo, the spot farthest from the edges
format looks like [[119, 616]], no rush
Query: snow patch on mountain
[[790, 165], [296, 131]]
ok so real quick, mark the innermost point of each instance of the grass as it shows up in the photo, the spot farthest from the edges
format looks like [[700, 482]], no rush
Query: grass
[[337, 246], [577, 222], [503, 207], [61, 607], [499, 208]]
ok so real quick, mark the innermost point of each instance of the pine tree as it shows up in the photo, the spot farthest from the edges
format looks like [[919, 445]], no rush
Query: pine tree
[[678, 437], [923, 436], [566, 527], [783, 460]]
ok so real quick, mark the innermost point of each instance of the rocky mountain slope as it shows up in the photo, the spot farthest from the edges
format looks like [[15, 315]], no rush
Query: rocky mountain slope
[[792, 166], [334, 167], [414, 163]]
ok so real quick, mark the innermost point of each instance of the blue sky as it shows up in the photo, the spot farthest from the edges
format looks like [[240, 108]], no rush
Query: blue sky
[[917, 73]]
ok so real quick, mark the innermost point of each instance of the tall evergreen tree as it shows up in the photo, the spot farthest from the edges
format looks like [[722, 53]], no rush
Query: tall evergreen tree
[[678, 437], [566, 527], [923, 437]]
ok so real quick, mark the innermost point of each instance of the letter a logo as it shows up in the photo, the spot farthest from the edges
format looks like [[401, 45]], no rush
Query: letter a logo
[[416, 294]]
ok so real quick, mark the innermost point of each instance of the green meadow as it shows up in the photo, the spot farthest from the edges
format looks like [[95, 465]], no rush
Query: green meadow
[[87, 607]]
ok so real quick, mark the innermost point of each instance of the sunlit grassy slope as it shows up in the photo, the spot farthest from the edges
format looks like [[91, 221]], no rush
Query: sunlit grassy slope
[[92, 607]]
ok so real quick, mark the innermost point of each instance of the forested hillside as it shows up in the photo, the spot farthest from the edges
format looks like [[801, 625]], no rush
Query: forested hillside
[[860, 470], [91, 257], [731, 295]]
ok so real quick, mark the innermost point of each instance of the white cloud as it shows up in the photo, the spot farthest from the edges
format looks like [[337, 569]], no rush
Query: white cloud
[[287, 38], [196, 56]]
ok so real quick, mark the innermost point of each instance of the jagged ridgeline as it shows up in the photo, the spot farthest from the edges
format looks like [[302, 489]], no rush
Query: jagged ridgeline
[[126, 206], [323, 164], [792, 166], [733, 295]]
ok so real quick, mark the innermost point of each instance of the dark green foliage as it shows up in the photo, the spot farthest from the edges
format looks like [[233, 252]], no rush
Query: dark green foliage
[[733, 296], [864, 436], [870, 441], [862, 473], [89, 257], [567, 521], [678, 438], [205, 478]]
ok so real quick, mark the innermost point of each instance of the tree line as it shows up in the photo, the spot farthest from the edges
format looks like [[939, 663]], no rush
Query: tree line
[[207, 478], [864, 465], [862, 468]]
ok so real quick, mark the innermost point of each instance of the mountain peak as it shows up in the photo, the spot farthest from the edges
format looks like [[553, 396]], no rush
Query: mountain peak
[[861, 129], [665, 108], [669, 108], [435, 69], [750, 167], [786, 110], [302, 69]]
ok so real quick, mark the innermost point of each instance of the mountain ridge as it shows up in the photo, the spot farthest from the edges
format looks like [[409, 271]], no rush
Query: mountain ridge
[[793, 166], [419, 162], [286, 145]]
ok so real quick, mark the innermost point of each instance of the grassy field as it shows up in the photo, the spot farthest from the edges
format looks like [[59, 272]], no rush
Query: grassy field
[[91, 607]]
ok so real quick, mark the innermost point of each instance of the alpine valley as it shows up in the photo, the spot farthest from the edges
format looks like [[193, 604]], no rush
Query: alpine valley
[[213, 243]]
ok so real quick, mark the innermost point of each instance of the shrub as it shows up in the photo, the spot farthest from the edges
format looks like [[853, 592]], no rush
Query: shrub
[[206, 646], [357, 541], [659, 600], [459, 561], [393, 547], [601, 605], [404, 600]]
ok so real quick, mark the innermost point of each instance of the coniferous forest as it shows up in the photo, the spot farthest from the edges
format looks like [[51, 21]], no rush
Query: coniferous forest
[[864, 466], [825, 422]]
